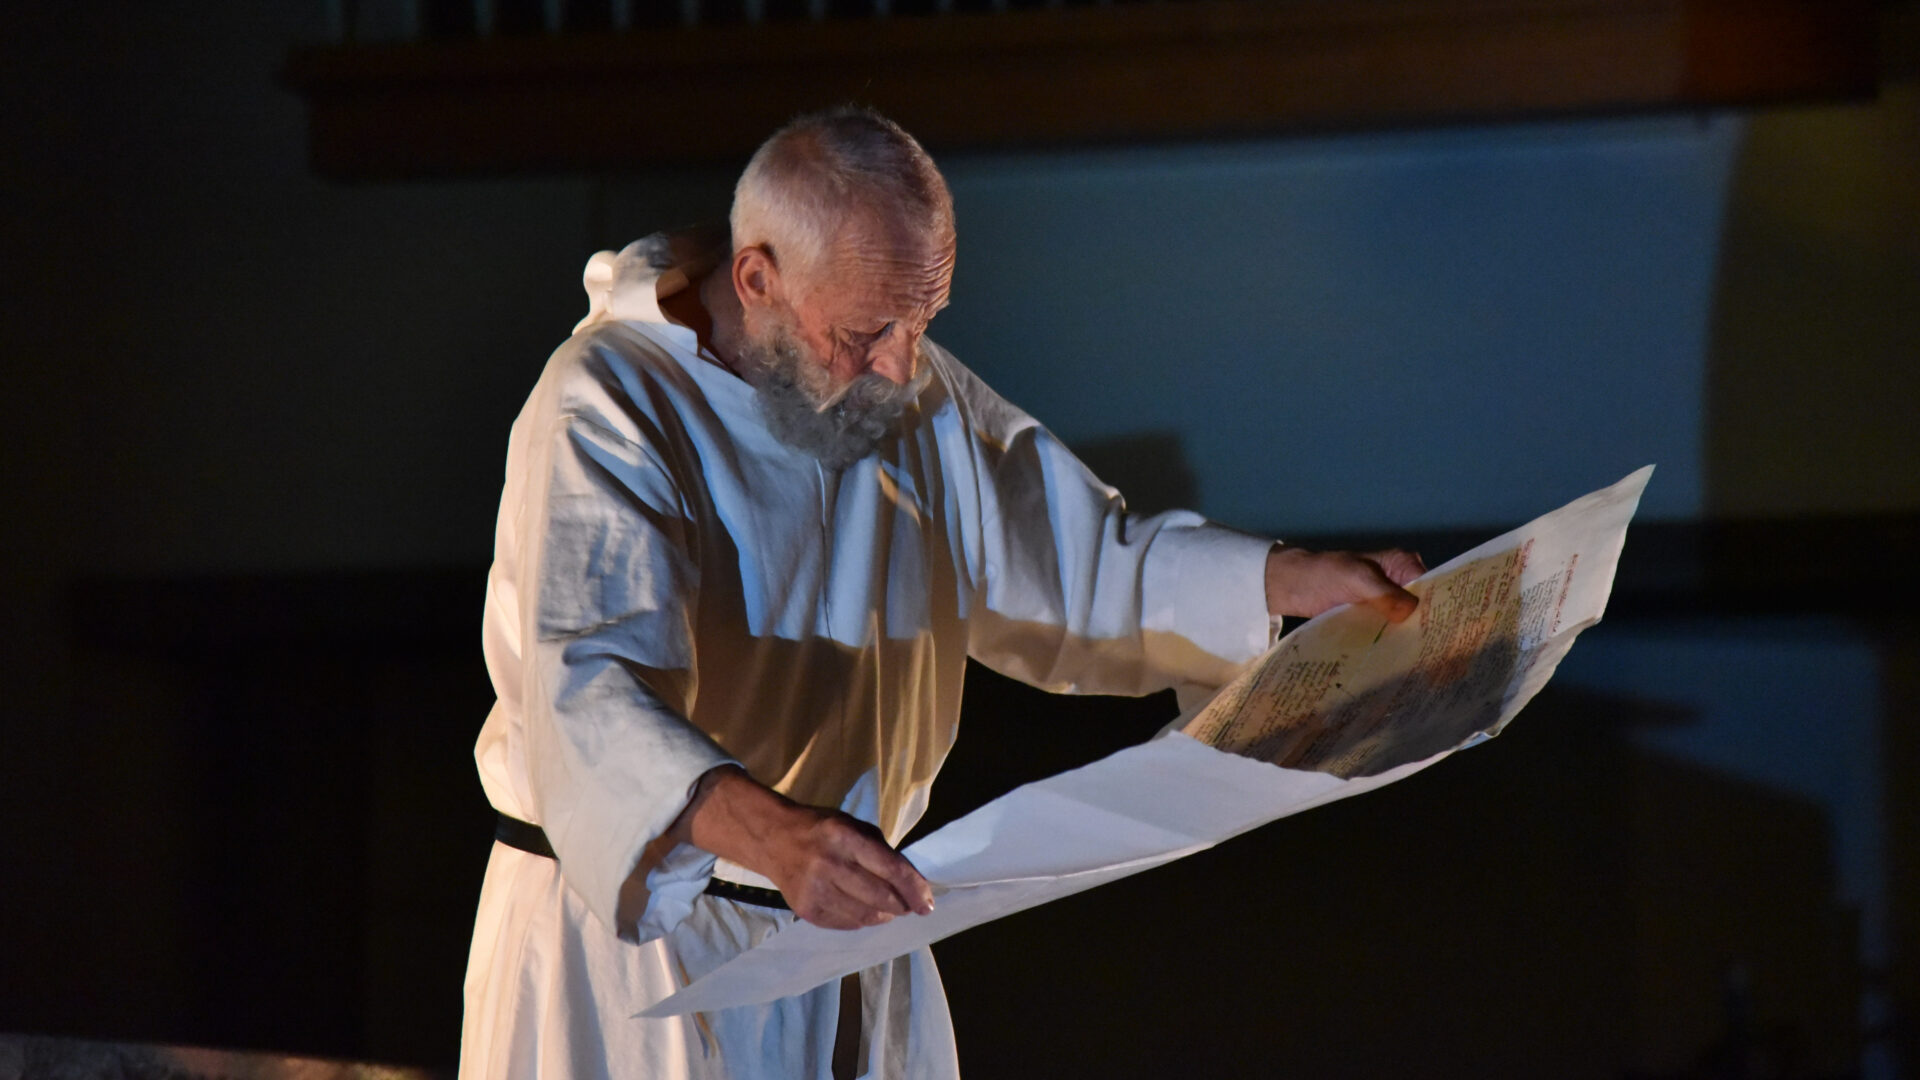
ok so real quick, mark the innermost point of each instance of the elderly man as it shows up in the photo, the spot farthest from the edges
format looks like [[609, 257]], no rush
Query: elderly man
[[754, 524]]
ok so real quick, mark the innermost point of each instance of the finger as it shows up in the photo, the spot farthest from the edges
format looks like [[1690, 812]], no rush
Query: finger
[[1399, 565], [834, 910], [827, 902], [870, 891], [866, 913], [1384, 595], [893, 868], [1396, 605]]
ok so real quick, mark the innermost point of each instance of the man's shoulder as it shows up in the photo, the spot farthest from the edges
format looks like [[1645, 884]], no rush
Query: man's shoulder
[[614, 345], [975, 403], [612, 373], [615, 356]]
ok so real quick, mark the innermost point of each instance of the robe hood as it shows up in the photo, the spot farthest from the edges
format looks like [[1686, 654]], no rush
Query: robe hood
[[626, 285]]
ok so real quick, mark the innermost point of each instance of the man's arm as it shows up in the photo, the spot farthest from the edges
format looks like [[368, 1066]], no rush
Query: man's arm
[[1075, 593], [835, 870], [839, 872]]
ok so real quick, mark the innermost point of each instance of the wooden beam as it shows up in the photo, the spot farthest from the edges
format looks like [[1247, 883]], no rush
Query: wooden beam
[[1120, 73]]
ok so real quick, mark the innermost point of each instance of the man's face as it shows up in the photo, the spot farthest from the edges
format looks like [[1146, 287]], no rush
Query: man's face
[[838, 359], [865, 309]]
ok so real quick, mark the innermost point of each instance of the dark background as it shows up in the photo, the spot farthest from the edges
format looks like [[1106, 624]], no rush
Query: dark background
[[255, 427]]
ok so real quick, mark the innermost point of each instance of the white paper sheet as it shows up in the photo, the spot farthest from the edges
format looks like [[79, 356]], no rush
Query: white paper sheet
[[1344, 704]]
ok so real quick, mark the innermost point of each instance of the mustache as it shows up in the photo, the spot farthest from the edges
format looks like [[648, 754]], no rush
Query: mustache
[[836, 425], [870, 391]]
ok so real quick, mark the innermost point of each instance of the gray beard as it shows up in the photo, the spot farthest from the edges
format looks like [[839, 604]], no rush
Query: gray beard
[[788, 388]]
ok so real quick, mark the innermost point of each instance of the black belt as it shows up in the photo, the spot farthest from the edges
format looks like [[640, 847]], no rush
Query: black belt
[[532, 839]]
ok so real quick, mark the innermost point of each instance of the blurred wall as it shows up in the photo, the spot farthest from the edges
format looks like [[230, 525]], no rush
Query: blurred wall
[[1813, 370], [1367, 332]]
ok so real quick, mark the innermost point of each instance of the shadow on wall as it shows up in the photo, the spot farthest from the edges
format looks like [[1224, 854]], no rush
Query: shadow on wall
[[1811, 384], [1150, 467], [1811, 371]]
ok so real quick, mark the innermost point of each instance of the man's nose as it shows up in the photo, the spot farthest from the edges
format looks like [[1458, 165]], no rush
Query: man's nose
[[894, 360]]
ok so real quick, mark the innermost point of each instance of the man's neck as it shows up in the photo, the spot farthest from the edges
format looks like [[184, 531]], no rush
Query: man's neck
[[710, 309]]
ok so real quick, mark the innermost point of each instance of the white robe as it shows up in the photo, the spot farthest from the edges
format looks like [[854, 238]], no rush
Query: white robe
[[674, 589]]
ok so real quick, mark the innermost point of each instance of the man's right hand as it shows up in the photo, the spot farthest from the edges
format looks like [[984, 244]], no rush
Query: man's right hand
[[835, 870]]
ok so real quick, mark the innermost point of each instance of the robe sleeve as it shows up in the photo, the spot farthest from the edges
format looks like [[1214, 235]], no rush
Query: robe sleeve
[[1072, 593], [607, 589]]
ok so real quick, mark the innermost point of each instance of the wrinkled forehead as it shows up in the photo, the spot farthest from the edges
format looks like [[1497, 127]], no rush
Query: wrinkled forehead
[[877, 259]]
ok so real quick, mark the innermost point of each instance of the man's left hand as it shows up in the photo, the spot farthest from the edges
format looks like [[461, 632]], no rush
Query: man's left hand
[[1306, 583]]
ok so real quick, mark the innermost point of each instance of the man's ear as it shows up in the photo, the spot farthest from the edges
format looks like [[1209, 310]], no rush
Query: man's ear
[[756, 279]]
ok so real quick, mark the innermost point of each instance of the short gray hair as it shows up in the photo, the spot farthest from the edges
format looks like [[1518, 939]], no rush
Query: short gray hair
[[819, 173]]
